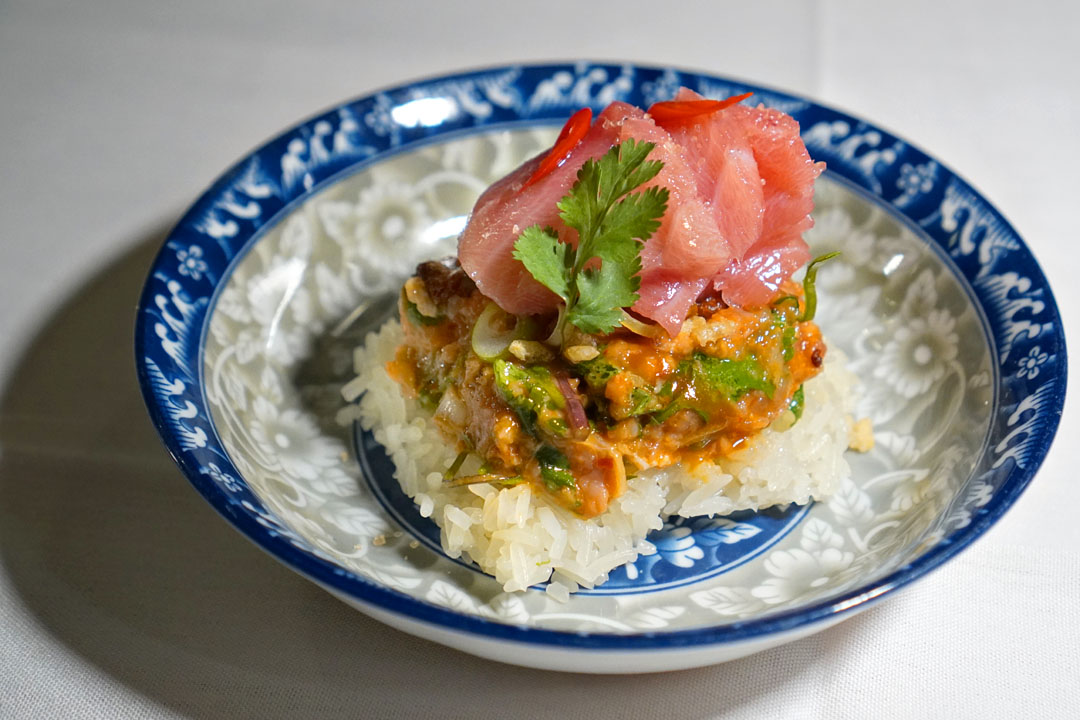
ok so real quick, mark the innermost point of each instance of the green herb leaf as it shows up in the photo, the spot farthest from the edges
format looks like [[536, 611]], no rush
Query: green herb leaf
[[730, 378], [623, 168], [545, 258], [602, 293], [642, 401], [675, 406], [612, 225], [555, 468], [455, 466], [635, 216], [787, 341], [596, 373], [532, 394]]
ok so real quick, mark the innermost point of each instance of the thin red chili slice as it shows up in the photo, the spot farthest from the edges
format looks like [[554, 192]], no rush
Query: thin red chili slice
[[684, 110], [572, 132]]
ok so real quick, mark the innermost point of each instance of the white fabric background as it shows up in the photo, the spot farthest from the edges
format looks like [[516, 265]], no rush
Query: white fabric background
[[123, 595]]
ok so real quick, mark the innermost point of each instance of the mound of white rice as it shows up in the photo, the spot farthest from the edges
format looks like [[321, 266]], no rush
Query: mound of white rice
[[523, 538]]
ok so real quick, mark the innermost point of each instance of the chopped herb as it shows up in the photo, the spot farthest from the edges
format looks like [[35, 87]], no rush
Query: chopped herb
[[612, 224], [797, 401], [672, 407], [641, 401], [596, 373], [790, 299], [787, 341], [490, 478], [532, 393], [730, 378], [675, 406], [555, 468], [787, 330]]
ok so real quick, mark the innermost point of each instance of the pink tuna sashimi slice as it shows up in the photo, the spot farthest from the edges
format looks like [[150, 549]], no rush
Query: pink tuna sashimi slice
[[687, 248], [504, 210], [677, 262], [786, 177], [741, 190], [727, 171]]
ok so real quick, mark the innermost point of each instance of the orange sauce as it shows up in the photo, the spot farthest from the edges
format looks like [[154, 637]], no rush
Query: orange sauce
[[659, 405]]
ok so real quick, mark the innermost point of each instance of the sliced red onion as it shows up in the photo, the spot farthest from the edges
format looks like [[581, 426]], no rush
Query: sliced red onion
[[574, 409]]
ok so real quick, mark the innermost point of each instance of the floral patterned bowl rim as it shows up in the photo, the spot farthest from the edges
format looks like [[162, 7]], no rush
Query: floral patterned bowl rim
[[984, 249]]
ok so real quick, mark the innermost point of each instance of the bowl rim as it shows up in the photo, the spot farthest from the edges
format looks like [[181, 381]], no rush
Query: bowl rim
[[171, 296]]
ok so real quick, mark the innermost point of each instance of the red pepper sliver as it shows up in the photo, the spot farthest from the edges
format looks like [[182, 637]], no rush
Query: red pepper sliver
[[683, 110], [572, 132]]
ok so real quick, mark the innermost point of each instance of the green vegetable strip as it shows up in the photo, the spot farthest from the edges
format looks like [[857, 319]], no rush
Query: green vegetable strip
[[808, 286], [455, 466]]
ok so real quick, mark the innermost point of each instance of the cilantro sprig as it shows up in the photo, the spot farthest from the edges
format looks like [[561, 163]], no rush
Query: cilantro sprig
[[612, 223]]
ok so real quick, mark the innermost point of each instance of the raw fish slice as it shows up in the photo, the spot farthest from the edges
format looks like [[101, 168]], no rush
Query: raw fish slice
[[741, 191], [688, 247], [688, 242], [666, 298], [771, 211], [504, 210], [754, 280], [727, 171]]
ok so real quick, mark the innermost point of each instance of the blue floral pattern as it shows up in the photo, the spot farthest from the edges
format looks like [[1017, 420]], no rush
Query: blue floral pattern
[[931, 503]]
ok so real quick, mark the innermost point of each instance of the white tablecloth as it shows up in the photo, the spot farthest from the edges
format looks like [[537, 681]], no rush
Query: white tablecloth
[[123, 595]]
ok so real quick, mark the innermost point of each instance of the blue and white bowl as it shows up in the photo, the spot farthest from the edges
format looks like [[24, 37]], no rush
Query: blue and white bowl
[[250, 310]]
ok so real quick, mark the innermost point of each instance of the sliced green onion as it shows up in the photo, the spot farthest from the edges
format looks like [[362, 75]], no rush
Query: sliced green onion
[[490, 344]]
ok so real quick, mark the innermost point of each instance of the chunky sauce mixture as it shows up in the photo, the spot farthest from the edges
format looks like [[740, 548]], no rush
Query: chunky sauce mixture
[[575, 423]]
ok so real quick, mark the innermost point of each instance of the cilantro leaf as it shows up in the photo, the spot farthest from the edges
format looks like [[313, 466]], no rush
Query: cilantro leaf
[[633, 219], [545, 258], [612, 224], [602, 294], [596, 373], [623, 168]]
